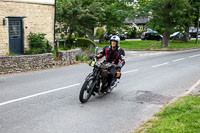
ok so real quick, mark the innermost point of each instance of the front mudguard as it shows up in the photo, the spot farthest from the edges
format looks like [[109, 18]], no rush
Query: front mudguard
[[90, 77]]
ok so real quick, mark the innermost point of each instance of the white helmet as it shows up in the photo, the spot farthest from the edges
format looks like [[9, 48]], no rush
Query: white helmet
[[115, 38]]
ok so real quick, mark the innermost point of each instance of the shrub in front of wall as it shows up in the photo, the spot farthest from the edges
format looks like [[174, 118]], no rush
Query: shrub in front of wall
[[38, 44], [37, 40]]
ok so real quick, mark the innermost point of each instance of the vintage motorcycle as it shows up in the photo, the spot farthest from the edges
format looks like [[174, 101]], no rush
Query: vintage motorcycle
[[97, 81]]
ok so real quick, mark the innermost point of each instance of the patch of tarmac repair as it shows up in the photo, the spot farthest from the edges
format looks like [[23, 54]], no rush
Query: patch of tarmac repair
[[147, 97]]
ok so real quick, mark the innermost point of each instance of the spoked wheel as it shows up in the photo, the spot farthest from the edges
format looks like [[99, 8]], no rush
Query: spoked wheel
[[86, 91]]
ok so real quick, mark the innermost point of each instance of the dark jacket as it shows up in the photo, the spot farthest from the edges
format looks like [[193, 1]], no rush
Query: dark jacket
[[113, 56]]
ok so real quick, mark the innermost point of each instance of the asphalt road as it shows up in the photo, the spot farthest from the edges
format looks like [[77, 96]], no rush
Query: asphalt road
[[47, 101]]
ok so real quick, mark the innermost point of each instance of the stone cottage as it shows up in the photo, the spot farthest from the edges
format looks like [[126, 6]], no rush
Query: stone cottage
[[20, 17]]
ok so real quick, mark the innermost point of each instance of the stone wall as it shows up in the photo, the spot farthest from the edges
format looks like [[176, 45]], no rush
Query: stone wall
[[38, 18], [67, 57], [23, 63]]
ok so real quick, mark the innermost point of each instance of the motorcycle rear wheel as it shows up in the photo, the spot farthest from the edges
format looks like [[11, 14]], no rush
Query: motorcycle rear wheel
[[86, 90]]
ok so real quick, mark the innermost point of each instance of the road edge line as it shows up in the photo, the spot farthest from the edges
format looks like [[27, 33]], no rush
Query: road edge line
[[185, 93], [37, 94]]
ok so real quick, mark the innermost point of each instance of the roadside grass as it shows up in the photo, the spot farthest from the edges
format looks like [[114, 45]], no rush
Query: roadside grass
[[182, 116], [133, 45], [177, 45], [155, 45]]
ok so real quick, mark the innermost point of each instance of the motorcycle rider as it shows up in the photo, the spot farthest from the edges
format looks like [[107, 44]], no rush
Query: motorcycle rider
[[114, 54]]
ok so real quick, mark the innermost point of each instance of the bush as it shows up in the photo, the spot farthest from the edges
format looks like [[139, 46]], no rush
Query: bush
[[36, 40], [133, 31], [83, 43], [84, 56], [76, 43], [48, 48], [38, 44], [100, 33]]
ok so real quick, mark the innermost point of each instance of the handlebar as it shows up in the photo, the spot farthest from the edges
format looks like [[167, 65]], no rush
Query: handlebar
[[103, 64]]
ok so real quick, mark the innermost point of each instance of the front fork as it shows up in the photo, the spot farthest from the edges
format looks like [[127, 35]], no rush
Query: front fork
[[100, 86]]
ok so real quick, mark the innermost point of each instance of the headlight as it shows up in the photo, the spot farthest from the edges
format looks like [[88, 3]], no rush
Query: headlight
[[104, 73], [92, 63]]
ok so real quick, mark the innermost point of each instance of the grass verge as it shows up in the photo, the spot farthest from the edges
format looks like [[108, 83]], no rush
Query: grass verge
[[155, 45], [177, 45], [133, 45], [182, 116]]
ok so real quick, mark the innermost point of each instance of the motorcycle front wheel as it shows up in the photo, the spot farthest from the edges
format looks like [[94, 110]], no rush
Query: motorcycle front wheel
[[86, 91]]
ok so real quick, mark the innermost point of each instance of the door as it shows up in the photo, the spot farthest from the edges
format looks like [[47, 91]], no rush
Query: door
[[16, 36]]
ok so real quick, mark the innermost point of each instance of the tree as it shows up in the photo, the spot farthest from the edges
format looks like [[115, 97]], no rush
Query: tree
[[168, 15], [191, 16], [195, 12], [195, 4], [79, 16], [82, 16], [67, 12], [115, 14]]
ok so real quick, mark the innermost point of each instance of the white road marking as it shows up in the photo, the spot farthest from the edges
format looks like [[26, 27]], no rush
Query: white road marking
[[161, 64], [191, 88], [194, 56], [38, 94], [130, 71], [185, 93], [178, 60]]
